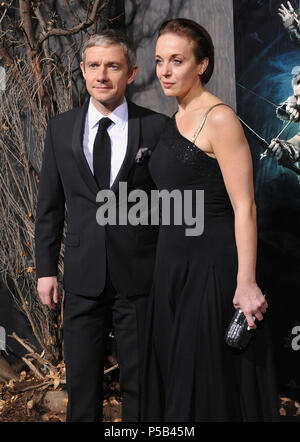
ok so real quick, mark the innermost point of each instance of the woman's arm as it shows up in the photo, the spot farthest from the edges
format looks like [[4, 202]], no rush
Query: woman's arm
[[231, 149]]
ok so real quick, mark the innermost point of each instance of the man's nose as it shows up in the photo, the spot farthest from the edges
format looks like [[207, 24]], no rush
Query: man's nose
[[101, 74]]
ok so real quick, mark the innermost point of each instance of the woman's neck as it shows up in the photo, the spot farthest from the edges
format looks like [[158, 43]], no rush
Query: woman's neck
[[192, 100]]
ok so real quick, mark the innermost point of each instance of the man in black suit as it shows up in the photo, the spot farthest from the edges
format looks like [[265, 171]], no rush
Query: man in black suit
[[107, 269]]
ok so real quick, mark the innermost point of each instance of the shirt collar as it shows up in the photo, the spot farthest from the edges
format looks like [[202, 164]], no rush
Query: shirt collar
[[118, 116]]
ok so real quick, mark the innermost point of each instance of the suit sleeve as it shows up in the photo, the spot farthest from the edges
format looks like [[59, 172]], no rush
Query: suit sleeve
[[50, 213]]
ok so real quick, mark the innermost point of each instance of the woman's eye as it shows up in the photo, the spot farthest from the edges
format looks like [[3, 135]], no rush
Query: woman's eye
[[177, 61], [157, 61]]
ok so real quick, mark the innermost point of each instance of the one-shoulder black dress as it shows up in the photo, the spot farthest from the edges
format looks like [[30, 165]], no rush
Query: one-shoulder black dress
[[191, 374]]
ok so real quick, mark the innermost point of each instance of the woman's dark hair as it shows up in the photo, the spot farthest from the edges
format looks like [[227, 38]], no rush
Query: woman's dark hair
[[203, 43]]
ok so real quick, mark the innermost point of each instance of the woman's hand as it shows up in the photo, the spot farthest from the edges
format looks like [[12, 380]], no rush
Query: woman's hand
[[249, 298]]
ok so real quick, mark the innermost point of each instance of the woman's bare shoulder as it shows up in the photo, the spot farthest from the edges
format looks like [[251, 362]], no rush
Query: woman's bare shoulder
[[221, 111]]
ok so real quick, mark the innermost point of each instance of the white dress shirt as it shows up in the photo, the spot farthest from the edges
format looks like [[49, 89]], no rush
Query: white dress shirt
[[117, 131]]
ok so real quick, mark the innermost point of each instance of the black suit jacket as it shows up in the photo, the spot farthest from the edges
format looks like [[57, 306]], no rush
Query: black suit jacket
[[66, 182]]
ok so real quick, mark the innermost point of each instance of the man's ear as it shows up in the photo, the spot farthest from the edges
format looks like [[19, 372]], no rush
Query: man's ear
[[82, 68], [132, 74]]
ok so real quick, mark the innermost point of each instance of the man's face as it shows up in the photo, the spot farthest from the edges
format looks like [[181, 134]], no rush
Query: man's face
[[297, 93], [105, 71]]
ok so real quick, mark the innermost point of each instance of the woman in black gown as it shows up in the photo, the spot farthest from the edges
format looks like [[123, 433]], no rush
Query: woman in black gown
[[190, 373]]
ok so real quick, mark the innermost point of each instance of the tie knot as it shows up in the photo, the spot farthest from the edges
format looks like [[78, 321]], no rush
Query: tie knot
[[104, 123]]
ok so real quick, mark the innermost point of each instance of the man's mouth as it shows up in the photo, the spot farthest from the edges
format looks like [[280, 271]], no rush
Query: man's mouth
[[102, 88]]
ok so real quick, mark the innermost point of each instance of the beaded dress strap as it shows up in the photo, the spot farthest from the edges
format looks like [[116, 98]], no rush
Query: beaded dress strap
[[204, 119]]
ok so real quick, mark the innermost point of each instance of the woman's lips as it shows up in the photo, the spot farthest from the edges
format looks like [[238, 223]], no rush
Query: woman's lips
[[167, 85]]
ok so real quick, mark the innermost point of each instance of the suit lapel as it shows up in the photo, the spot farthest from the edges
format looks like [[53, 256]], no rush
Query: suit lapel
[[132, 145], [77, 148]]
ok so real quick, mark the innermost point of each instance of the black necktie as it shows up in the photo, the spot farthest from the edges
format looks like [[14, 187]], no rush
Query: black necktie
[[102, 154]]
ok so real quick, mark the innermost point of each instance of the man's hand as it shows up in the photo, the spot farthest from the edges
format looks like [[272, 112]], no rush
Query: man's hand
[[282, 149], [287, 14], [293, 111], [47, 288]]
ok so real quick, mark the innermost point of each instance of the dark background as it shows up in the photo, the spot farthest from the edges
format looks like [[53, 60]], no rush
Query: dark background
[[265, 56]]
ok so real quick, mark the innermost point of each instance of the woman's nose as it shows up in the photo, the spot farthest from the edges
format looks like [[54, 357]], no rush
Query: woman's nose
[[165, 71]]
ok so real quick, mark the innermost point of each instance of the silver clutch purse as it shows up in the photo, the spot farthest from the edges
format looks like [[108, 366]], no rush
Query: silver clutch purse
[[238, 333]]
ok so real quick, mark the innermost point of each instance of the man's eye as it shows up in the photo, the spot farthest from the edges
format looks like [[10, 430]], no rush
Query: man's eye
[[114, 66]]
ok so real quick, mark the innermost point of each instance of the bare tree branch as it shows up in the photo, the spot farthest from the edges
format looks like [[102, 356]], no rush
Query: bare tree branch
[[80, 27]]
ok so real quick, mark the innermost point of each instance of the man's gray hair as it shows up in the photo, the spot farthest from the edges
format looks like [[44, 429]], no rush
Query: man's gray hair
[[296, 79], [296, 75], [110, 37]]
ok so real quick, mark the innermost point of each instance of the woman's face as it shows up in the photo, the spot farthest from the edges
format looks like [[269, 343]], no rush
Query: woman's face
[[176, 66]]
